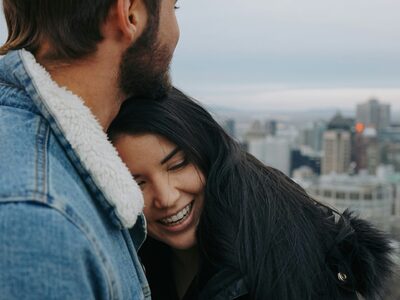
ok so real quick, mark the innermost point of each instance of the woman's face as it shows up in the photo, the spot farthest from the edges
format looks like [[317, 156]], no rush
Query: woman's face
[[173, 188]]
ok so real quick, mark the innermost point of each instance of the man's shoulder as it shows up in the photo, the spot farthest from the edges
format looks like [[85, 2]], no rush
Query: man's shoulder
[[35, 222], [30, 153], [54, 233], [32, 230], [42, 251], [46, 191]]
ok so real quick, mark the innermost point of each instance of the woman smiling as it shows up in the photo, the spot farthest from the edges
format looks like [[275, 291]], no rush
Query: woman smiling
[[224, 226]]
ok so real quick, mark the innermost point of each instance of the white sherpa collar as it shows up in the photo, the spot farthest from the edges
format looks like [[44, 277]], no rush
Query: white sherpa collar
[[91, 144]]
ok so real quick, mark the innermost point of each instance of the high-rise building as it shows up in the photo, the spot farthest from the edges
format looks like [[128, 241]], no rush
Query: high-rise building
[[277, 153], [337, 146], [312, 135], [391, 155], [373, 114], [271, 150], [255, 140], [337, 152], [271, 127], [367, 151]]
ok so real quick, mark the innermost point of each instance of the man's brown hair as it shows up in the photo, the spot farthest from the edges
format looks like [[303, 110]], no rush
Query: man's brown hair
[[72, 27]]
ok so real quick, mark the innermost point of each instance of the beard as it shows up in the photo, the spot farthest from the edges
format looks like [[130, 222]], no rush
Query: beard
[[144, 69]]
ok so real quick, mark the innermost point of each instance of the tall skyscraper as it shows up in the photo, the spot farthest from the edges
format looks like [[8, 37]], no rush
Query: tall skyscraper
[[271, 150], [337, 151], [255, 140], [367, 154], [277, 153], [337, 146], [312, 135], [373, 114]]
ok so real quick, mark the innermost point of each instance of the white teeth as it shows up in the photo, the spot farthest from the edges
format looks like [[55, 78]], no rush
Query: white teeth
[[178, 217]]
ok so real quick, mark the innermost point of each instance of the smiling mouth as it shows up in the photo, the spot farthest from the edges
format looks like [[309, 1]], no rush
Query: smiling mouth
[[179, 217]]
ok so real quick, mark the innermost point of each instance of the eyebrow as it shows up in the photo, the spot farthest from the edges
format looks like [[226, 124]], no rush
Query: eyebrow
[[170, 155]]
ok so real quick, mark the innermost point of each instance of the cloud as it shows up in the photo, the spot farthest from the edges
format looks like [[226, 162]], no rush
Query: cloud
[[289, 26], [303, 44]]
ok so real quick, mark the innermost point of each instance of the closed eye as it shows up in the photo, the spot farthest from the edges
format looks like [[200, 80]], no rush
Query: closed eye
[[178, 165], [140, 182]]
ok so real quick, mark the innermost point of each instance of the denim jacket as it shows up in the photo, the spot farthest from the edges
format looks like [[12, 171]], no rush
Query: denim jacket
[[66, 199]]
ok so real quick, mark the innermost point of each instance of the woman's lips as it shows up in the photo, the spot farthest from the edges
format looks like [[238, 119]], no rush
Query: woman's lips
[[180, 220]]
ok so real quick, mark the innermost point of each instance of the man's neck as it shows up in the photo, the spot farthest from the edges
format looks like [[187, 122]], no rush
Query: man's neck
[[95, 80]]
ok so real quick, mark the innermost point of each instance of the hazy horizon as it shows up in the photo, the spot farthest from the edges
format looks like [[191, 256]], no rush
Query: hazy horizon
[[291, 99]]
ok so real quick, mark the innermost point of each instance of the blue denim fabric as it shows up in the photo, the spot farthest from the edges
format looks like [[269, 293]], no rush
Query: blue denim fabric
[[58, 239]]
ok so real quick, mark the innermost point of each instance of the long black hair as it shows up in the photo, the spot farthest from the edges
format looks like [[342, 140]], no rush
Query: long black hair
[[256, 221]]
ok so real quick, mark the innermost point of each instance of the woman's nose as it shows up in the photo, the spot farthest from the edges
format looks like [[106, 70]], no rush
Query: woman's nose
[[165, 194]]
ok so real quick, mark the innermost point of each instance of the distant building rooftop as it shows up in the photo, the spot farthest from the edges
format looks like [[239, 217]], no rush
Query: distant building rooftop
[[340, 122]]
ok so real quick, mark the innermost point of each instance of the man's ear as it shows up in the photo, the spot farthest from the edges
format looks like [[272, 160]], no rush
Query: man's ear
[[131, 18]]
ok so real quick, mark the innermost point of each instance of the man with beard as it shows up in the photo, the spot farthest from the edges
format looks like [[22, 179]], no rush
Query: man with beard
[[66, 199]]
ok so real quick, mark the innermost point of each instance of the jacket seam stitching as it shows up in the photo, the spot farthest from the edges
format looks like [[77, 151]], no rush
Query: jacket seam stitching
[[22, 107], [7, 84], [36, 159], [41, 162], [96, 249]]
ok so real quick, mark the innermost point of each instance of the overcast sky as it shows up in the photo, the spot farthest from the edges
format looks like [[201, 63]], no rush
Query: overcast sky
[[294, 54]]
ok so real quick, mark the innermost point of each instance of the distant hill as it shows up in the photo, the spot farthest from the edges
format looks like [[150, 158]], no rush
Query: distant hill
[[296, 116]]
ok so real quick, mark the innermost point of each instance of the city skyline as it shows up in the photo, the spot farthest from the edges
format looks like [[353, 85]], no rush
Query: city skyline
[[345, 162]]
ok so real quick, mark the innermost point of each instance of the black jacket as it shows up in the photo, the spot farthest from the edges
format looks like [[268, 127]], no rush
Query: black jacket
[[225, 284]]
